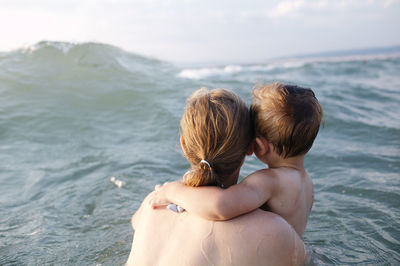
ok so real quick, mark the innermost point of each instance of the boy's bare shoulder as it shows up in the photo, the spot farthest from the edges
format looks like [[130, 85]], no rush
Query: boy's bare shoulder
[[278, 177], [283, 173], [263, 173], [265, 176], [264, 181]]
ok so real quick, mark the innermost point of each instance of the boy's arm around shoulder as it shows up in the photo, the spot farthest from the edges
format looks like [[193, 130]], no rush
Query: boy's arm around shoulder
[[214, 203], [201, 201], [253, 192]]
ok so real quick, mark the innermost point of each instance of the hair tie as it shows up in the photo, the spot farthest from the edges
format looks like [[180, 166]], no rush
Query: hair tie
[[207, 163]]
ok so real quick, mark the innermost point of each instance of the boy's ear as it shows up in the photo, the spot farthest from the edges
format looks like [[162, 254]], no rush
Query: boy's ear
[[262, 146]]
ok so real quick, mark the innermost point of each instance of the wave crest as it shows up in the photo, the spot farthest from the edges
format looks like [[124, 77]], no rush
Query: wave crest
[[49, 56]]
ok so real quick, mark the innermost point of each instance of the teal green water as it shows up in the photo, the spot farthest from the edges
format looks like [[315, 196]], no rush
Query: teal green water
[[73, 115]]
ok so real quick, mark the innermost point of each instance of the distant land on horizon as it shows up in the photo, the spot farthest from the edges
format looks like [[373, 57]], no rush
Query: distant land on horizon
[[351, 52], [370, 51]]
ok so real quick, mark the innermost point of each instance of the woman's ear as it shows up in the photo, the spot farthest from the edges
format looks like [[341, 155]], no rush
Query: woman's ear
[[261, 146], [182, 144]]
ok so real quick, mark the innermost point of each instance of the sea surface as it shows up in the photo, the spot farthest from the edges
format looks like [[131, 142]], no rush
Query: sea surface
[[87, 130]]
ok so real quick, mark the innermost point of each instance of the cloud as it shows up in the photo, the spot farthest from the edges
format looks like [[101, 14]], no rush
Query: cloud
[[389, 3], [302, 7], [286, 7], [199, 30]]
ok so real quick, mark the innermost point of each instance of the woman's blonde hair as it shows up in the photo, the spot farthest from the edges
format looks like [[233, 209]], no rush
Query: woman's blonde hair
[[215, 127]]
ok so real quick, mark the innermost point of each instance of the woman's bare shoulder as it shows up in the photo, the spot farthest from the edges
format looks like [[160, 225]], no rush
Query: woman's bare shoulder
[[136, 216], [273, 236]]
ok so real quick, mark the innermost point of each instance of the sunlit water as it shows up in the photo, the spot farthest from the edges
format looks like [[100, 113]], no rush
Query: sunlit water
[[72, 116]]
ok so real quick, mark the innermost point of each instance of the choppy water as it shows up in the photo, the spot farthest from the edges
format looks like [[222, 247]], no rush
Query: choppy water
[[74, 115]]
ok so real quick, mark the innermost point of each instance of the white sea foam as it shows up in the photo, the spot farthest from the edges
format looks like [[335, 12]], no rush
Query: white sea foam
[[62, 46], [276, 65], [290, 63], [232, 69], [34, 233], [202, 73], [117, 182], [205, 72]]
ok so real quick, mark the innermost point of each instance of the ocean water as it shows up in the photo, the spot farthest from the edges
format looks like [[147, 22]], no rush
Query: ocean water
[[87, 130]]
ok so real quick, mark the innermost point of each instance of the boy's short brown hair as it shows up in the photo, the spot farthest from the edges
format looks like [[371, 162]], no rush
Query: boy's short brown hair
[[287, 116]]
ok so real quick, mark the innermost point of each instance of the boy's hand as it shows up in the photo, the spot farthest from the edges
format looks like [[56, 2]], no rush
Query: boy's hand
[[160, 198]]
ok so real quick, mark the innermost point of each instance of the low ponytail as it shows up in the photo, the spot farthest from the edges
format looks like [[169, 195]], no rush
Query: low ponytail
[[201, 174]]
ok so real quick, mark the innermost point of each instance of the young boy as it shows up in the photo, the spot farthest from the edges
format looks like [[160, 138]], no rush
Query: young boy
[[286, 121]]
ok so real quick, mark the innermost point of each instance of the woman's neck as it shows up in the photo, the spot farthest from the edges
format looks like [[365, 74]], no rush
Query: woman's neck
[[231, 180]]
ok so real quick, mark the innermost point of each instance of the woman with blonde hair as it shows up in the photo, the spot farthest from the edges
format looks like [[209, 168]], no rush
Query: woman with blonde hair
[[216, 134]]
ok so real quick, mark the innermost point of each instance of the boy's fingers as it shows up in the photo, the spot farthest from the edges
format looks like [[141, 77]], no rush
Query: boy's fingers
[[158, 186], [159, 206], [156, 205]]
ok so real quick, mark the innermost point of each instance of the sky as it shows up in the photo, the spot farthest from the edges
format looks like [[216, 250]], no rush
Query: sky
[[204, 30]]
